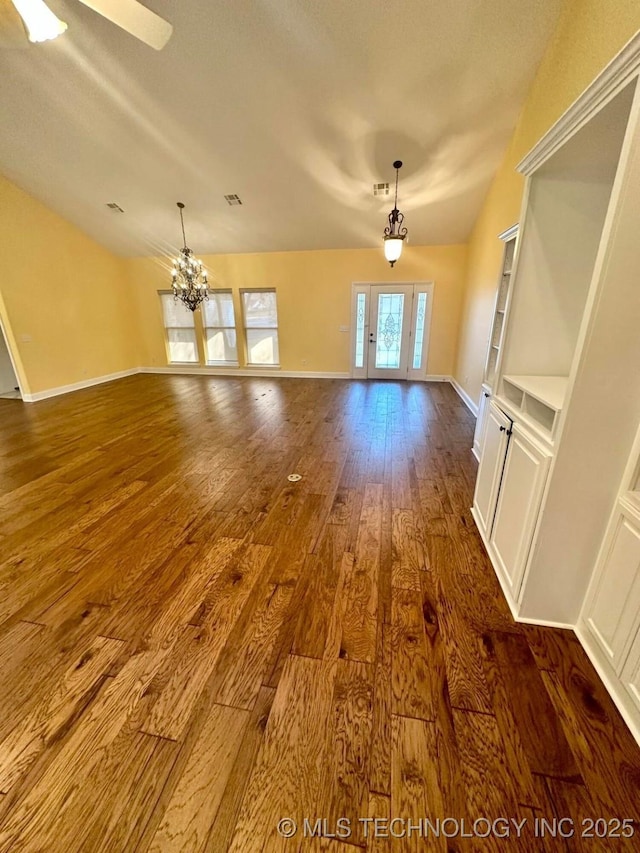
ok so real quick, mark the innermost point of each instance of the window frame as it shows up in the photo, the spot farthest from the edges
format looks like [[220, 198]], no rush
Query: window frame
[[167, 342], [206, 328], [257, 365]]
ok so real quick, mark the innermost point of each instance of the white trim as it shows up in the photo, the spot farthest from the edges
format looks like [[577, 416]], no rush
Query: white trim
[[234, 371], [413, 375], [509, 233], [77, 386], [466, 399], [184, 370], [609, 81], [11, 359], [545, 623]]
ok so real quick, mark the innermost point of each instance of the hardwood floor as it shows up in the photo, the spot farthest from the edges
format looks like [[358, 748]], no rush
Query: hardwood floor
[[193, 648]]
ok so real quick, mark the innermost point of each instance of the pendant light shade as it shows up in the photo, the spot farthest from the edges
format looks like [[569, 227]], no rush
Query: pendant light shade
[[41, 23], [395, 232]]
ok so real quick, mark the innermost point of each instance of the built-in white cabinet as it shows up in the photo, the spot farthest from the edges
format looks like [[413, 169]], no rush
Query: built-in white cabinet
[[561, 529], [630, 676], [523, 478], [481, 420], [511, 477], [613, 605], [609, 624], [496, 335], [497, 432]]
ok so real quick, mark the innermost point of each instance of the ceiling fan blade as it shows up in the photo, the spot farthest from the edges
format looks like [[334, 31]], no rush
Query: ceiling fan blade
[[12, 31], [135, 18]]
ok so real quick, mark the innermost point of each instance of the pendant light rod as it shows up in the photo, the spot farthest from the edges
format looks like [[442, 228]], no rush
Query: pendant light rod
[[397, 165], [184, 238], [395, 232]]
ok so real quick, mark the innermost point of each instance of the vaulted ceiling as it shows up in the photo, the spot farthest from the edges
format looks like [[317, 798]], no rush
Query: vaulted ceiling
[[297, 106]]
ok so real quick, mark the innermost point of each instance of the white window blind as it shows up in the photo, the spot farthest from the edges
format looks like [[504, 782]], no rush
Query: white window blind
[[220, 328], [261, 326], [180, 331]]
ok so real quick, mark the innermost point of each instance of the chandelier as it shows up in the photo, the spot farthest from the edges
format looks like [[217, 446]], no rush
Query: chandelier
[[395, 232], [189, 277]]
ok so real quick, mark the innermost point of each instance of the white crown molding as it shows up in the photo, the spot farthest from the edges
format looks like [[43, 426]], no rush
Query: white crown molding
[[509, 234], [613, 77], [466, 399], [77, 386]]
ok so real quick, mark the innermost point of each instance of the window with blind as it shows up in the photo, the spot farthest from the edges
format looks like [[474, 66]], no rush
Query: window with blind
[[182, 347], [261, 326], [219, 322]]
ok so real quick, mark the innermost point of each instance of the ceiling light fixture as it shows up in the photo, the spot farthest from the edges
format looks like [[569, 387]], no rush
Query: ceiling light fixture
[[395, 232], [189, 277], [41, 23]]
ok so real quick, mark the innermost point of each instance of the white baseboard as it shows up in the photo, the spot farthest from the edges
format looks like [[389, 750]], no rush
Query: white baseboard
[[77, 386], [466, 399], [186, 370], [268, 372], [546, 623]]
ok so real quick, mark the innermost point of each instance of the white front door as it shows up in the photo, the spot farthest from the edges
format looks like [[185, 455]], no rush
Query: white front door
[[391, 330]]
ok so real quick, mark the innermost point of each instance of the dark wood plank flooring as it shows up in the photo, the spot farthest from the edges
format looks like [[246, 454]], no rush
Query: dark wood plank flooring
[[193, 648]]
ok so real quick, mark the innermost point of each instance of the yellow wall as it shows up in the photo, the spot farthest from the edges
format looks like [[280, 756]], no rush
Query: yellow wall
[[314, 293], [63, 291], [588, 36]]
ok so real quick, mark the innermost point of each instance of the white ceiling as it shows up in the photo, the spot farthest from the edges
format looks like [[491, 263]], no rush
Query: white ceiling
[[298, 106]]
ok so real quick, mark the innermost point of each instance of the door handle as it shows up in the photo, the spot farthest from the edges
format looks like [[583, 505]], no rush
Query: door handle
[[372, 340]]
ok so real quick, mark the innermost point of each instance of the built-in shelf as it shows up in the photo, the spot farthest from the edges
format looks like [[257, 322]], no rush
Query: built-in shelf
[[538, 399], [501, 306], [549, 390]]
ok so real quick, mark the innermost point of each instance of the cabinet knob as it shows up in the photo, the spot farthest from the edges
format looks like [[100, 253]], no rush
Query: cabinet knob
[[503, 429], [487, 394]]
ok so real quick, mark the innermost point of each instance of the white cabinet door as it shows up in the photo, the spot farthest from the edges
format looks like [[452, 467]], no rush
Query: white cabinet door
[[481, 422], [614, 602], [491, 465], [523, 479], [631, 672]]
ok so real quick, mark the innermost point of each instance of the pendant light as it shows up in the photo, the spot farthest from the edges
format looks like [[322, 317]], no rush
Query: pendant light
[[395, 232], [188, 276]]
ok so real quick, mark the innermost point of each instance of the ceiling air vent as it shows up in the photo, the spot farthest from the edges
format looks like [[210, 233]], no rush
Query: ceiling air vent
[[233, 199], [113, 206], [381, 189]]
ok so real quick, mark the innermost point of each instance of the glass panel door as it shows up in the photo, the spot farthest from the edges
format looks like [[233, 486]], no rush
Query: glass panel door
[[389, 331]]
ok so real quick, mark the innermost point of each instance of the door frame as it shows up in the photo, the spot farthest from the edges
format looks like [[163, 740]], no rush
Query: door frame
[[12, 357], [358, 287]]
